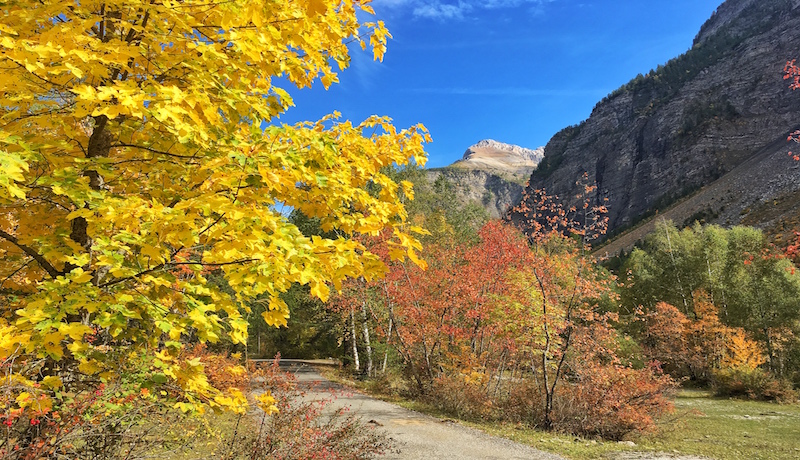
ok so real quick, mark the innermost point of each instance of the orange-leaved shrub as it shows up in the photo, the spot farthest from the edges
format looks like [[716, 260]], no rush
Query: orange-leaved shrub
[[605, 401], [611, 401], [464, 396], [301, 428]]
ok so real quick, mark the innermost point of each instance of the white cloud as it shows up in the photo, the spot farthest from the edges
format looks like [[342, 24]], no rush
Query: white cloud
[[442, 11], [456, 10], [510, 91]]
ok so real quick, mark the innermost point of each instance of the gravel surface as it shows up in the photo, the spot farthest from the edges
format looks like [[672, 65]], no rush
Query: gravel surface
[[415, 435], [655, 456]]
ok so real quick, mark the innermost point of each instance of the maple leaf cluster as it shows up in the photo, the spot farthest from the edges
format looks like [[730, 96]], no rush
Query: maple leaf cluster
[[140, 154]]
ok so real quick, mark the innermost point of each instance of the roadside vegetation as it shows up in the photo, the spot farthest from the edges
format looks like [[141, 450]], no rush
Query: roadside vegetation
[[522, 336]]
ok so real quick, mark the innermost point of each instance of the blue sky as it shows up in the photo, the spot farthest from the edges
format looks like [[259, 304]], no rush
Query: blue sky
[[516, 71]]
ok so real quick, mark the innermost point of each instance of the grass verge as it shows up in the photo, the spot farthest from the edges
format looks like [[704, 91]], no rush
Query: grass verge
[[702, 425]]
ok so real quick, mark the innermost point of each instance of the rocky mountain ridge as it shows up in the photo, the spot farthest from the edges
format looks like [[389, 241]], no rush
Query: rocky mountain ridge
[[498, 157], [669, 133], [513, 154], [491, 173]]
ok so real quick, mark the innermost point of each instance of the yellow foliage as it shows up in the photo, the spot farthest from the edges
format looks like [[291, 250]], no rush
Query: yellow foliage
[[723, 346], [742, 351], [267, 403], [139, 150]]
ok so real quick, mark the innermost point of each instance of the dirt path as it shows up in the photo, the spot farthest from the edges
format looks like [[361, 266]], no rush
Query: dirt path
[[415, 435], [419, 436]]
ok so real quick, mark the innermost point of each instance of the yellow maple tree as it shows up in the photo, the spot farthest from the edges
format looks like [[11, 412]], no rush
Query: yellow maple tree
[[140, 137]]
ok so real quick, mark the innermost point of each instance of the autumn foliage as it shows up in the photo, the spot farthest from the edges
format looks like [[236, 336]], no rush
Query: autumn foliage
[[143, 174], [512, 327]]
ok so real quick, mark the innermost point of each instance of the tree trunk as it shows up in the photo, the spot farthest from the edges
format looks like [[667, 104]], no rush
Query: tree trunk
[[500, 373], [770, 351], [366, 338], [678, 277], [354, 340], [388, 343]]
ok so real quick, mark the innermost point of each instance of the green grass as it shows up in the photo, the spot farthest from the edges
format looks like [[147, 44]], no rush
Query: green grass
[[722, 429], [201, 437], [702, 425], [731, 429]]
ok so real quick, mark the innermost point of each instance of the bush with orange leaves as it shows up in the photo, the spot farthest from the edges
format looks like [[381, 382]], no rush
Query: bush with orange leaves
[[300, 428], [611, 401], [608, 401], [222, 370], [706, 350]]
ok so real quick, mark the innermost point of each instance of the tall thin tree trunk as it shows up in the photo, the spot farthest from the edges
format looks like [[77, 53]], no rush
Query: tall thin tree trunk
[[366, 337], [354, 339], [500, 373], [677, 272], [388, 344], [770, 350]]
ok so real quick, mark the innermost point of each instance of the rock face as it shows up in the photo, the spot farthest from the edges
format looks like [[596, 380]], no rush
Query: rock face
[[490, 155], [492, 174], [686, 124], [495, 193]]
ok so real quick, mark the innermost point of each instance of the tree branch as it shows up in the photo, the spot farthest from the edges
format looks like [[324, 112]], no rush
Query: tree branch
[[167, 266], [51, 270], [159, 152]]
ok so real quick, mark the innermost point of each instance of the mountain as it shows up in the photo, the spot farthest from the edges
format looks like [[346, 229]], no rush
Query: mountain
[[490, 155], [676, 131], [491, 173]]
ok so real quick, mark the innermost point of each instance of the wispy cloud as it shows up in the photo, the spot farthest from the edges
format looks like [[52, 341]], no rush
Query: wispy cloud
[[456, 10], [442, 10], [509, 91]]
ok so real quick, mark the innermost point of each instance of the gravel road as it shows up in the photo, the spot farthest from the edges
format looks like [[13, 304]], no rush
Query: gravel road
[[419, 436], [415, 435]]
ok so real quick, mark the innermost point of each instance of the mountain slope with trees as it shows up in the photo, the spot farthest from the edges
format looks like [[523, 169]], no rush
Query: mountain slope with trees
[[685, 124]]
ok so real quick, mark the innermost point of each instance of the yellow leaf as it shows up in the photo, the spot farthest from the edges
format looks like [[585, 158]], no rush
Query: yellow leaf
[[317, 6], [75, 331], [52, 382], [82, 212], [75, 71], [276, 318], [79, 276], [320, 290], [90, 367], [414, 258], [267, 403], [52, 344]]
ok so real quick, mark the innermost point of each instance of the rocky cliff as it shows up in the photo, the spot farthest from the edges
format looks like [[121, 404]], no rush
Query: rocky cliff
[[687, 123]]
